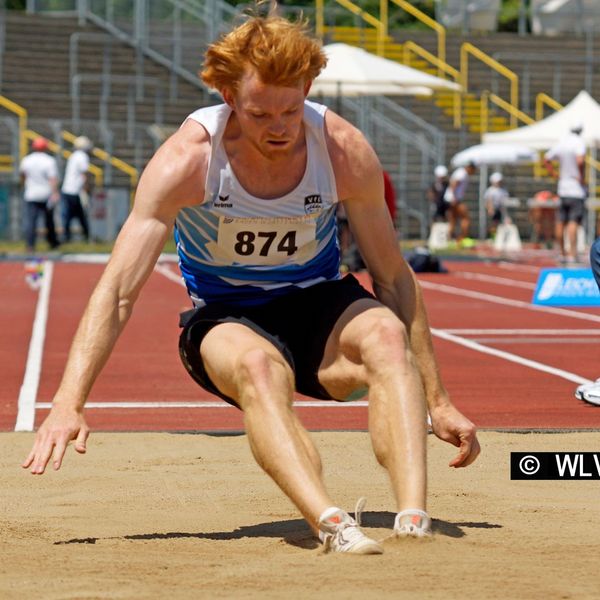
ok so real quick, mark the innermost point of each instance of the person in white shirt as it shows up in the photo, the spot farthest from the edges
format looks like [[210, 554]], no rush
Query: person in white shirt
[[495, 202], [74, 183], [570, 153], [39, 176], [436, 193], [454, 196]]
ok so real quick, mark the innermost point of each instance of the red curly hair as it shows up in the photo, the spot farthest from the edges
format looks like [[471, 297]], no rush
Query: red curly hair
[[281, 52]]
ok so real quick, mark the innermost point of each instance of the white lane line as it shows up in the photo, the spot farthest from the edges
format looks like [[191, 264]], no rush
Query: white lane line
[[31, 380], [168, 273], [440, 287], [298, 403], [533, 364], [494, 279], [539, 332], [525, 268]]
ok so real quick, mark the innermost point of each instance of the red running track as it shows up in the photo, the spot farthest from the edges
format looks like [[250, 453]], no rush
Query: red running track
[[477, 307]]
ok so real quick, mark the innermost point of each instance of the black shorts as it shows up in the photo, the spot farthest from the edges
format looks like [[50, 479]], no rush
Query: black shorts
[[571, 209], [497, 216], [298, 324], [441, 208]]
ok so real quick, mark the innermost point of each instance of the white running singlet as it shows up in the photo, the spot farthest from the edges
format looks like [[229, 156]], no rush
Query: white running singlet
[[238, 249]]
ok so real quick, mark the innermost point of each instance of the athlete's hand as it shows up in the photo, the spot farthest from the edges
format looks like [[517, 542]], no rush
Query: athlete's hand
[[453, 427], [60, 427]]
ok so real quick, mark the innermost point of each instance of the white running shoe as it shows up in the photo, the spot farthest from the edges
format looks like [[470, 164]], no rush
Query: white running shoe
[[412, 523], [339, 532], [589, 392]]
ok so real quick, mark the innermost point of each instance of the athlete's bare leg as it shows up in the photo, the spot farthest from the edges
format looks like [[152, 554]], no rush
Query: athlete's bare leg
[[249, 369], [465, 220], [559, 235], [451, 214], [572, 227], [369, 346]]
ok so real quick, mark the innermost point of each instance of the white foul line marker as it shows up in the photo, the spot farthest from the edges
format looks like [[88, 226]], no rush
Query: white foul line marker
[[533, 364], [448, 289], [297, 403], [31, 380]]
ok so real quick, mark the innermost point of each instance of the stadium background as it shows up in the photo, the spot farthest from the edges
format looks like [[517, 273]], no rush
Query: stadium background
[[149, 513]]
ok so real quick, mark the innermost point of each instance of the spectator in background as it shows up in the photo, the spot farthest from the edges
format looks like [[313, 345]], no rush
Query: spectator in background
[[590, 392], [436, 192], [570, 153], [457, 210], [542, 214], [75, 183], [39, 176], [390, 195], [495, 203]]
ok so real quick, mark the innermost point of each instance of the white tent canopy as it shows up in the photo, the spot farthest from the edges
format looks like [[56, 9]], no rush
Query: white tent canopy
[[351, 71], [491, 154], [544, 134]]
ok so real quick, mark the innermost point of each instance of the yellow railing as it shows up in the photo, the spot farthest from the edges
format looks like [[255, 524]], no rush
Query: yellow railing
[[26, 135], [543, 99], [439, 29], [97, 172], [468, 49], [21, 113], [515, 113], [461, 76], [6, 163], [358, 11], [442, 66]]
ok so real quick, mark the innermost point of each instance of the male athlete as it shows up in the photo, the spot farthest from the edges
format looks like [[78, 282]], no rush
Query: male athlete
[[251, 187]]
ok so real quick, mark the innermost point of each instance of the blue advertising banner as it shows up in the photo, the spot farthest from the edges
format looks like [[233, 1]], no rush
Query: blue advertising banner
[[566, 287]]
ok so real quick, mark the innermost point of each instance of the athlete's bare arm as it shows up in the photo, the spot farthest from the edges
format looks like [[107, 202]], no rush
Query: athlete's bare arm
[[174, 178], [359, 182]]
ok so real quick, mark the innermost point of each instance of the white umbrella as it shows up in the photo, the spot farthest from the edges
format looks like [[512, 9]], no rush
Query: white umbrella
[[491, 154], [352, 71]]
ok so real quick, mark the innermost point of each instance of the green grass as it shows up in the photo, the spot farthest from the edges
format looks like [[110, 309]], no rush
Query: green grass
[[8, 249]]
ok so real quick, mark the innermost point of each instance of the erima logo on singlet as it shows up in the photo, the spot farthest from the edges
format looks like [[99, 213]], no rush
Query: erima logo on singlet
[[313, 204], [222, 202]]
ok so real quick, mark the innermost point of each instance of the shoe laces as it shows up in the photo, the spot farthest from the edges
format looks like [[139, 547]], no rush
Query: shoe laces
[[347, 532]]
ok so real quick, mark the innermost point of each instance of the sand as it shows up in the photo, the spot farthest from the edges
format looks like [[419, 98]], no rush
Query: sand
[[158, 515]]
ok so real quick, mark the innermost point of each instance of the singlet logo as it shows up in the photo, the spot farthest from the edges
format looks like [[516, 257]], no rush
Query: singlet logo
[[313, 204], [222, 202]]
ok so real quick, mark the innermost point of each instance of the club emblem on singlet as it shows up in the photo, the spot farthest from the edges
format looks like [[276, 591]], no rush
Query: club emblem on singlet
[[313, 204]]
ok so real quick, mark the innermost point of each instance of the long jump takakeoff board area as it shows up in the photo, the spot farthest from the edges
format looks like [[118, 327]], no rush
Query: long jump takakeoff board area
[[507, 363]]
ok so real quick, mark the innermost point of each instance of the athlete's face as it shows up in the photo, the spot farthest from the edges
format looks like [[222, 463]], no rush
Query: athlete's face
[[270, 116]]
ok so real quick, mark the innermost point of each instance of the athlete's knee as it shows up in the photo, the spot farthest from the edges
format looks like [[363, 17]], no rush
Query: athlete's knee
[[386, 343], [258, 371]]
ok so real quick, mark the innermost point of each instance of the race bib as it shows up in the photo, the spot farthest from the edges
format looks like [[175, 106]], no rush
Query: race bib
[[264, 241]]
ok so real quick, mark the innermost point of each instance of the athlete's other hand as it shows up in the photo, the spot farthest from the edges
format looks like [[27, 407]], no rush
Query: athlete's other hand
[[453, 427], [60, 427]]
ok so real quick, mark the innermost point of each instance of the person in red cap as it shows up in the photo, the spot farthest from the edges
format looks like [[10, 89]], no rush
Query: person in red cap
[[39, 176]]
